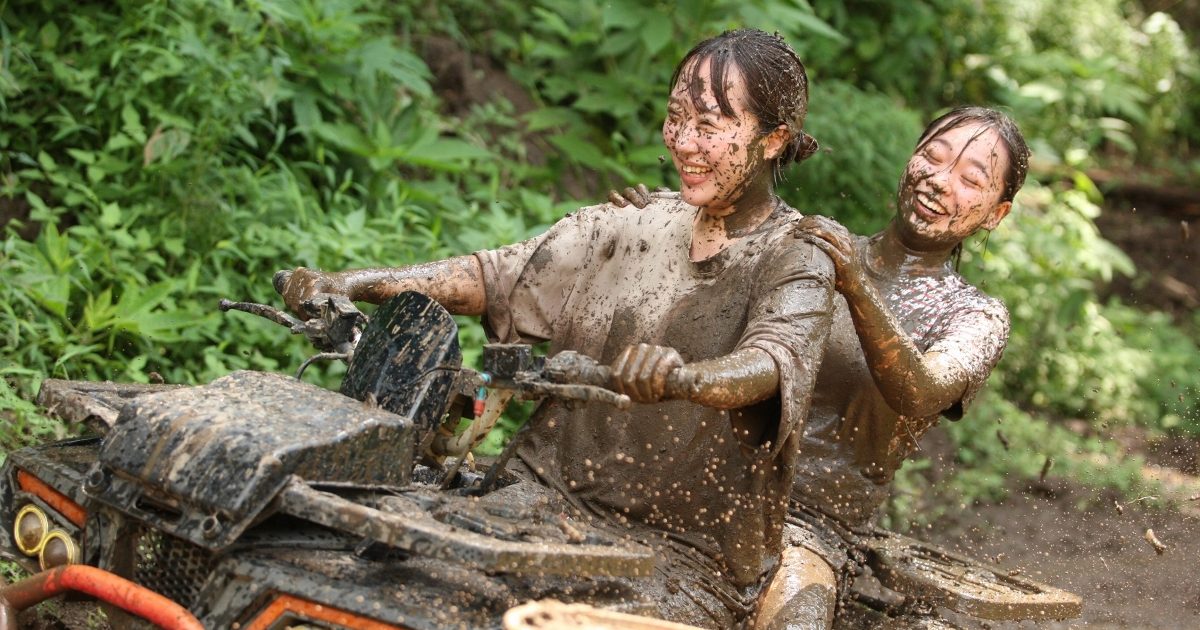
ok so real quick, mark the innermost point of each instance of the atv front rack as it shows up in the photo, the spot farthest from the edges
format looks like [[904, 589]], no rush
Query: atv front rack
[[465, 535], [928, 573]]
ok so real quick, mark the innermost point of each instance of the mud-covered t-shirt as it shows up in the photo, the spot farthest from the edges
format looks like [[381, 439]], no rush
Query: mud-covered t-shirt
[[605, 278], [844, 469]]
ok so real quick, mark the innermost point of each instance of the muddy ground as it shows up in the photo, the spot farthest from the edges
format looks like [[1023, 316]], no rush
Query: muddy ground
[[1098, 553], [1163, 240]]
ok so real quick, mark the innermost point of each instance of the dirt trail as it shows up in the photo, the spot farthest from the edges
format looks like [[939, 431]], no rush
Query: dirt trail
[[1098, 553]]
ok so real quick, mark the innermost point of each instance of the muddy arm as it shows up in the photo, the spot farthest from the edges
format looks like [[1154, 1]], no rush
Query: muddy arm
[[913, 383], [456, 284], [741, 378]]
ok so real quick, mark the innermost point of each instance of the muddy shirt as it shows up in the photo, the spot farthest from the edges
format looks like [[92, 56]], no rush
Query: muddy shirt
[[606, 278], [844, 469]]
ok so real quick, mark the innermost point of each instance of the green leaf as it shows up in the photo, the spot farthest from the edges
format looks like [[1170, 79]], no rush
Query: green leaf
[[132, 124], [621, 14], [619, 43], [577, 149], [48, 35], [165, 145], [806, 20], [346, 136], [656, 32], [552, 22], [445, 153], [304, 108], [547, 117], [83, 157], [119, 141], [618, 104], [110, 215], [47, 162]]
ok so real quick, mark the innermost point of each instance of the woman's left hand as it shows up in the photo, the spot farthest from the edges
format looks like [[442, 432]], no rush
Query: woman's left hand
[[641, 371], [835, 240]]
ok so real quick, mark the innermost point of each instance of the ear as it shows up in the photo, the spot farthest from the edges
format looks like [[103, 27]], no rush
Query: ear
[[775, 142], [997, 215]]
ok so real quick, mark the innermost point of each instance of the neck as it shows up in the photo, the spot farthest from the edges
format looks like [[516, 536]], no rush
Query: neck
[[744, 215], [889, 255]]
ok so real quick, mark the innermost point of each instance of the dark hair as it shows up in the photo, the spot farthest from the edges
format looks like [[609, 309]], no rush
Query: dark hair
[[1003, 125], [775, 80]]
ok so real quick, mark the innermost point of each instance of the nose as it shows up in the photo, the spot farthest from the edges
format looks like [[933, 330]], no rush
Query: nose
[[939, 179], [680, 137]]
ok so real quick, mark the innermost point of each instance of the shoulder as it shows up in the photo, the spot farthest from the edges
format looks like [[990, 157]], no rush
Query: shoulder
[[968, 298], [787, 254], [661, 205], [793, 247], [970, 324]]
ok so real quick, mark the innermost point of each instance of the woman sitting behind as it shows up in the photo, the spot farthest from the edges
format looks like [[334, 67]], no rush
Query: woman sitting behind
[[911, 341]]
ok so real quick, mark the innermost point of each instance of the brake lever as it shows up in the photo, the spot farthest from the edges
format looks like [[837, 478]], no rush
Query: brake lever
[[334, 330], [532, 385], [264, 311]]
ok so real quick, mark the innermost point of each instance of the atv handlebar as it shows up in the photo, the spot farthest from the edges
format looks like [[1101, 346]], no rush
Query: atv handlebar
[[572, 367], [338, 325]]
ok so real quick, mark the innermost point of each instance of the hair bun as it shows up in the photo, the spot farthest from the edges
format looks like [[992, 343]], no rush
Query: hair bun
[[800, 148]]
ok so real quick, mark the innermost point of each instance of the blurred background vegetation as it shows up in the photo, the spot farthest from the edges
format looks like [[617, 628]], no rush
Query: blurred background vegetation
[[157, 156]]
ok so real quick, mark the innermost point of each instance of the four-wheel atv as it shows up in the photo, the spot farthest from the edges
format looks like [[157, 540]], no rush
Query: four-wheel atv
[[259, 501]]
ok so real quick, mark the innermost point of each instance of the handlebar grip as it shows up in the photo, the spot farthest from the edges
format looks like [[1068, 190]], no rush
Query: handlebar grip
[[598, 375], [679, 386], [280, 280]]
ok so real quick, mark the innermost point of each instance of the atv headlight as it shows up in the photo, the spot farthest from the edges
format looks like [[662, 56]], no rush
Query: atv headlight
[[29, 529], [58, 549]]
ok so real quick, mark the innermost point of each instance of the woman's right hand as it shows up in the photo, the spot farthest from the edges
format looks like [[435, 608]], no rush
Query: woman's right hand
[[638, 195], [837, 242], [302, 283], [643, 372]]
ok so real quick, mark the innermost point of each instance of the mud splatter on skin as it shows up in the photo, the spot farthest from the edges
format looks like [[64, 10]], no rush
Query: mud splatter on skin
[[953, 185]]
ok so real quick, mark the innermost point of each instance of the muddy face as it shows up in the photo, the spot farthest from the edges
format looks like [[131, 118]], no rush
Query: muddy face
[[952, 187], [720, 158]]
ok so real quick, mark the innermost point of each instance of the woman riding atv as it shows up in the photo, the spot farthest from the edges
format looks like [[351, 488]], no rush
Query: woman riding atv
[[710, 299]]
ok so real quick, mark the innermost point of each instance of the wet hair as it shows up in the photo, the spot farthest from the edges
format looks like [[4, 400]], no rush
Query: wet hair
[[1003, 125], [775, 80]]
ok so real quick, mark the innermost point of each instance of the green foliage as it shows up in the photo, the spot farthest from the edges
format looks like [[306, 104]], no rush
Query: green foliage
[[21, 424], [985, 466], [599, 71], [1078, 74], [1068, 354], [186, 152], [1085, 73], [913, 50]]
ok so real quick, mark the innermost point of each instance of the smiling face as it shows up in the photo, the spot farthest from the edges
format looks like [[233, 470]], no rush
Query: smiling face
[[953, 186], [719, 157]]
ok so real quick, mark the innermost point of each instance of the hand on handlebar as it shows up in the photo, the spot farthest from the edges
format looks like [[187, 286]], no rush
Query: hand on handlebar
[[301, 284], [649, 373]]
